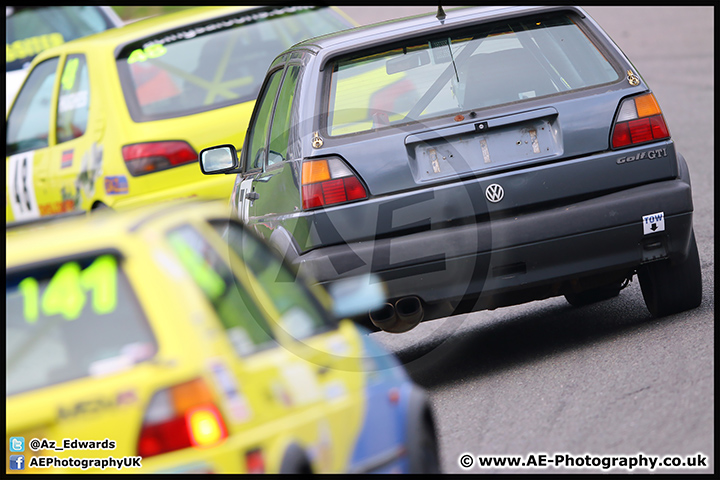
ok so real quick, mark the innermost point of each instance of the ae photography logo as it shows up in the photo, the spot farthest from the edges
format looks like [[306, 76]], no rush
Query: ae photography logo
[[378, 260]]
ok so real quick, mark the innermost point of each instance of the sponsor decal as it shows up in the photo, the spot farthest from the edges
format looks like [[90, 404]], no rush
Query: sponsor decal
[[90, 170], [116, 185], [238, 405], [67, 159]]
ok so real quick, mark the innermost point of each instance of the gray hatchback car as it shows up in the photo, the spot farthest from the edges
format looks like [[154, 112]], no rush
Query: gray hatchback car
[[472, 160]]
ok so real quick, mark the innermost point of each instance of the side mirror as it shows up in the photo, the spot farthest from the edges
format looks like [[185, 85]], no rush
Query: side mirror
[[218, 159], [357, 295]]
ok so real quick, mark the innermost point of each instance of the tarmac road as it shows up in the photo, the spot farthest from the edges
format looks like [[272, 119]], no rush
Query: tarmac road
[[606, 379]]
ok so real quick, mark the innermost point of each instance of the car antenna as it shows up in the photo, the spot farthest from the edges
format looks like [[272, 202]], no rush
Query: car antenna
[[440, 14]]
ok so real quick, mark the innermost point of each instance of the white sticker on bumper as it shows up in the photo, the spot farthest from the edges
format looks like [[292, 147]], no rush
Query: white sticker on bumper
[[653, 223]]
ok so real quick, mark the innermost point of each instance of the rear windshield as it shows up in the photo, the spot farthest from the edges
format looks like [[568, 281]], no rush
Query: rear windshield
[[71, 320], [213, 64], [30, 30], [489, 65]]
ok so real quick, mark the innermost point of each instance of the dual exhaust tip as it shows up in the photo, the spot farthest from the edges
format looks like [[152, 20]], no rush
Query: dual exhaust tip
[[404, 315]]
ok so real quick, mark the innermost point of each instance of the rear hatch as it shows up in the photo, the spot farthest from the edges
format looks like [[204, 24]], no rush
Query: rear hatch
[[529, 103], [77, 341]]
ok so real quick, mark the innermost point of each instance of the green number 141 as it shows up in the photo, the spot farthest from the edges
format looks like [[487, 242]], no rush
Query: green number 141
[[66, 291]]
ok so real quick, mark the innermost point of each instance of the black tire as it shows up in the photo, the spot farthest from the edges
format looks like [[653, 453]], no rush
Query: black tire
[[100, 207], [593, 296], [295, 461], [423, 449], [669, 288]]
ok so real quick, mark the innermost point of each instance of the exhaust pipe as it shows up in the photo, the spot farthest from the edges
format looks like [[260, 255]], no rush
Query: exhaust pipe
[[410, 313], [384, 317], [405, 315]]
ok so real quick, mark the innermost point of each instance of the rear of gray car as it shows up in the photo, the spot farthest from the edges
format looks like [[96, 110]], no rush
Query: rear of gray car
[[489, 158]]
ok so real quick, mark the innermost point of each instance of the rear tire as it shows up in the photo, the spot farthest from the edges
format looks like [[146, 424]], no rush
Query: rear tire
[[423, 448], [593, 296], [669, 288]]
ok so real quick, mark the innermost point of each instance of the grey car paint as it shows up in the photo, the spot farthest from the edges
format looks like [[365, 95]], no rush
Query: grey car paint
[[570, 218]]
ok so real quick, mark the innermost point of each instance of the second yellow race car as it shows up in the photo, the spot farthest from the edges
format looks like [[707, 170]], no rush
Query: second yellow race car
[[117, 118], [171, 339]]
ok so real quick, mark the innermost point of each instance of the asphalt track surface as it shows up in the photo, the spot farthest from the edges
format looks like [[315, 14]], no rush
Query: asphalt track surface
[[606, 379]]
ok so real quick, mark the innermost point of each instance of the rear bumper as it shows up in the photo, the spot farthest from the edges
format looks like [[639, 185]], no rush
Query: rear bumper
[[553, 248]]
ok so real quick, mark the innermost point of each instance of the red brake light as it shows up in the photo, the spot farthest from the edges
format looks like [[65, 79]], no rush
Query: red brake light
[[143, 158], [180, 417], [255, 461], [329, 182], [639, 120]]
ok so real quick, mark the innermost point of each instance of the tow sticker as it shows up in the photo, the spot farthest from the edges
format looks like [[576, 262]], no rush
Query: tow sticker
[[653, 223]]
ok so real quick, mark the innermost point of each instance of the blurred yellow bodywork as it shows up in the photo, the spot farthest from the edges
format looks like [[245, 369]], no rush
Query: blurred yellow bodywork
[[284, 399]]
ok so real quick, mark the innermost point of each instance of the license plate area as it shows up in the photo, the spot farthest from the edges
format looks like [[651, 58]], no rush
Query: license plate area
[[485, 150]]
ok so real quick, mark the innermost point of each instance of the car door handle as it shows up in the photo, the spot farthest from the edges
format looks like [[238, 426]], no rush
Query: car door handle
[[252, 196]]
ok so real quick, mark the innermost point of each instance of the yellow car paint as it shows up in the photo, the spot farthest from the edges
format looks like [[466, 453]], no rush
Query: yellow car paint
[[283, 391], [82, 170]]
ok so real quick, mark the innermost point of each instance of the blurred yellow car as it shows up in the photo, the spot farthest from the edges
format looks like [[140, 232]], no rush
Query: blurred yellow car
[[116, 119], [30, 29], [171, 339]]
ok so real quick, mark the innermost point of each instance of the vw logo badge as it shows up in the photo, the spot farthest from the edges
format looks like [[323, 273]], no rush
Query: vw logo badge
[[494, 193]]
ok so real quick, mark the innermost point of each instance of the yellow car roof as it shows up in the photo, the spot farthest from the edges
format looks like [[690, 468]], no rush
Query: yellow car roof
[[34, 243], [146, 27]]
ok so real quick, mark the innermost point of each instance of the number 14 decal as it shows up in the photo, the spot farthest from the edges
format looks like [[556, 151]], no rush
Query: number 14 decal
[[20, 187]]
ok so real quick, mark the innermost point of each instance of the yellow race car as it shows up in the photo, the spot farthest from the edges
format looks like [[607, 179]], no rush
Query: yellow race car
[[171, 339], [116, 119]]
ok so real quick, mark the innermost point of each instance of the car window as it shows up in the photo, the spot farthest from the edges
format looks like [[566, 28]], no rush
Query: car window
[[241, 317], [280, 129], [213, 64], [257, 132], [73, 99], [300, 313], [29, 121], [482, 67], [30, 30], [72, 319]]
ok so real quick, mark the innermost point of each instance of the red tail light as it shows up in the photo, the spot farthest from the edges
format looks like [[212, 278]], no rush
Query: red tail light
[[180, 417], [144, 158], [329, 182], [254, 461], [640, 120]]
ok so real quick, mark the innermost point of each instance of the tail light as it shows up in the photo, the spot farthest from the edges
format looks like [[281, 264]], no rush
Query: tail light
[[179, 417], [329, 182], [640, 120], [144, 158], [254, 461]]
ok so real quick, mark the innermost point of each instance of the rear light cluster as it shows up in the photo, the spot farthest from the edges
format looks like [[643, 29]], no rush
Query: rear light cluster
[[329, 182], [640, 120], [144, 158], [179, 417]]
